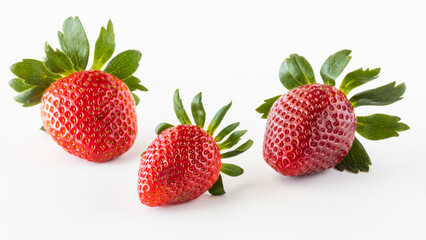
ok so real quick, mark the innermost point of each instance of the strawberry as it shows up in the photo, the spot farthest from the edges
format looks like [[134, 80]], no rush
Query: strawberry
[[312, 127], [184, 161], [90, 113], [309, 129]]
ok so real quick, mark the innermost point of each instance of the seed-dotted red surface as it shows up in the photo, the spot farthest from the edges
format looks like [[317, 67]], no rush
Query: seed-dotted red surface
[[91, 114], [309, 129], [182, 163]]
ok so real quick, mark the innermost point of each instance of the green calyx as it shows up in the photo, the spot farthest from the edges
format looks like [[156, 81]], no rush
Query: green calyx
[[357, 159], [34, 76], [266, 106], [232, 137], [296, 71]]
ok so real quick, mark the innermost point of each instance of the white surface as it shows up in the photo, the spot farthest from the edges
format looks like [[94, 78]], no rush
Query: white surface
[[229, 50]]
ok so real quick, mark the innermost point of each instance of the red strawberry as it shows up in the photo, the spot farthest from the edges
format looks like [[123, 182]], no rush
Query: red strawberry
[[90, 113], [184, 161], [311, 128]]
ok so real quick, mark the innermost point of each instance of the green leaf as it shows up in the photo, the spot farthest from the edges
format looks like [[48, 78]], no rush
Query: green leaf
[[356, 160], [266, 106], [136, 98], [380, 96], [296, 71], [198, 112], [227, 130], [74, 42], [42, 129], [232, 140], [179, 110], [217, 119], [57, 61], [162, 126], [105, 46], [334, 66], [379, 126], [30, 97], [19, 85], [133, 83], [124, 64], [244, 147], [34, 72], [231, 169], [357, 78], [217, 188]]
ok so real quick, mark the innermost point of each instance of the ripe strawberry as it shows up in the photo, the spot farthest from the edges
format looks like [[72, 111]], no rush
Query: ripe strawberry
[[90, 113], [312, 127], [309, 129], [184, 161]]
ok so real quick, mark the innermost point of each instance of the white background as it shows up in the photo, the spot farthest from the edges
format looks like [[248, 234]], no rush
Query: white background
[[229, 50]]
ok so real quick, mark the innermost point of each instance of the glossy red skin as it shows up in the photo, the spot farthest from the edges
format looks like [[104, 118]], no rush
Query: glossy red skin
[[91, 114], [182, 163], [309, 129]]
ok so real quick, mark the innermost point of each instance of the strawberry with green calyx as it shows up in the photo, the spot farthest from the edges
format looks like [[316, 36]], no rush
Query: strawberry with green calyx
[[90, 113], [312, 127], [184, 161]]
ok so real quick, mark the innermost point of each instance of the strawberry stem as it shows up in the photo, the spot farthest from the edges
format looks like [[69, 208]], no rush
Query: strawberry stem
[[334, 66], [105, 46], [217, 188], [232, 140], [226, 131], [74, 43], [356, 160], [242, 148], [380, 96], [296, 71], [179, 109], [161, 127], [379, 126], [57, 61], [266, 106], [217, 119], [231, 170], [357, 78], [198, 112]]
